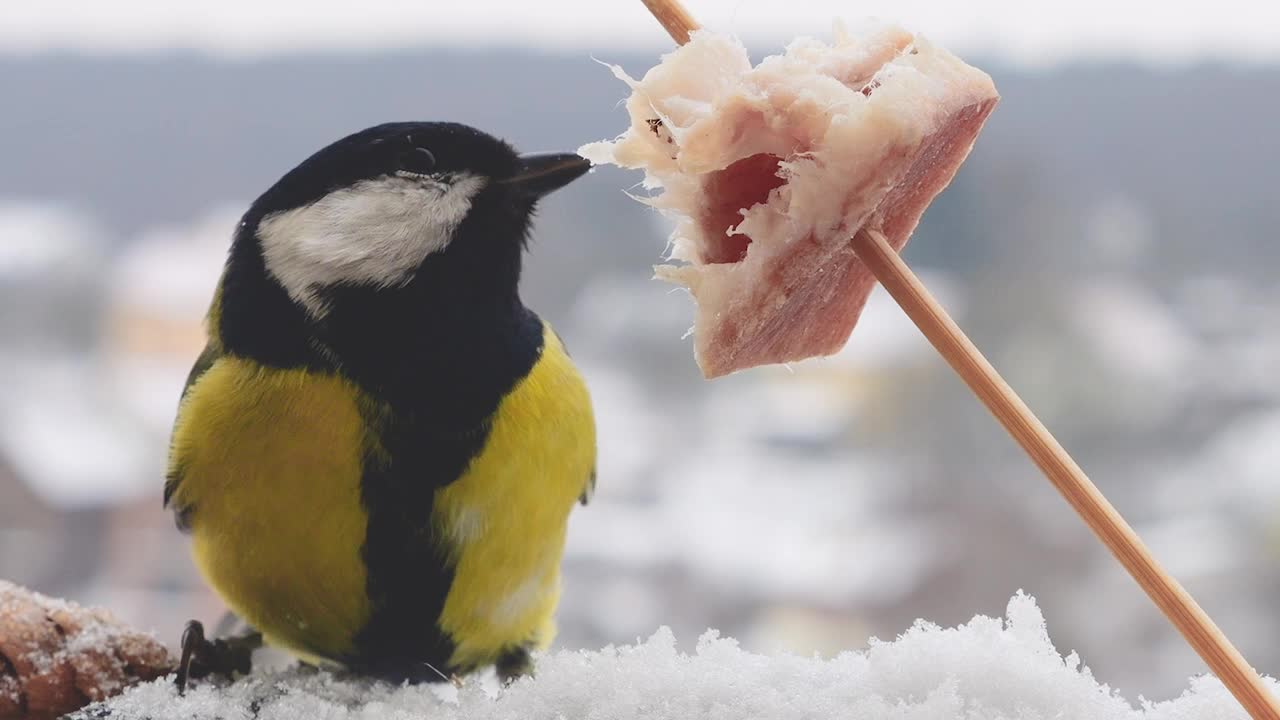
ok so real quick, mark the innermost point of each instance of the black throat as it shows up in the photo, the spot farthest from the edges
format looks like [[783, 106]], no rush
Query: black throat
[[434, 354]]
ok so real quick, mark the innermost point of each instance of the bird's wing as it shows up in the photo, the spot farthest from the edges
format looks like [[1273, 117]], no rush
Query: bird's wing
[[206, 360]]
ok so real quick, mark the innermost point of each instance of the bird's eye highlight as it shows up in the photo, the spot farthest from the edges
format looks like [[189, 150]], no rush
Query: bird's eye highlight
[[417, 161]]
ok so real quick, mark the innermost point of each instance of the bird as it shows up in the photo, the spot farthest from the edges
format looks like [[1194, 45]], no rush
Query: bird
[[377, 452]]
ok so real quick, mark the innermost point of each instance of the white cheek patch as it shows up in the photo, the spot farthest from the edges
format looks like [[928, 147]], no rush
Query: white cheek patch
[[375, 232]]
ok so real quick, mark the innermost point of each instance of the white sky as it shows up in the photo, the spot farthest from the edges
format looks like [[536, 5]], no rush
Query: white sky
[[1029, 31]]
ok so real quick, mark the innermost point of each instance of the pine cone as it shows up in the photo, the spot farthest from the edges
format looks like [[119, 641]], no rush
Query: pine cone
[[56, 656]]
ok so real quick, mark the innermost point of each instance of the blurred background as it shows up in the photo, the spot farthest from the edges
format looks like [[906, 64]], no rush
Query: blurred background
[[1111, 245]]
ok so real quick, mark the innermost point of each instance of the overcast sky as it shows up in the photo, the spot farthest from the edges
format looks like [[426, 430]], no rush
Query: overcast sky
[[1028, 31]]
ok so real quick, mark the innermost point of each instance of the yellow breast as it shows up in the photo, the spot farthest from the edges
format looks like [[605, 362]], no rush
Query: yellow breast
[[271, 464], [507, 516], [271, 461]]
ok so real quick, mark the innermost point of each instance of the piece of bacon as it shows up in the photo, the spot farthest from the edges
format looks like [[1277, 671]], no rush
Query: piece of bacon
[[770, 170]]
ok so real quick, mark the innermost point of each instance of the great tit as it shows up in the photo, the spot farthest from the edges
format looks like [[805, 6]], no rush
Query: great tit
[[377, 453]]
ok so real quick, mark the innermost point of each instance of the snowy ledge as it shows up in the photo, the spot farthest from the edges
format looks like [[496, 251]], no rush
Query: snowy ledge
[[989, 669]]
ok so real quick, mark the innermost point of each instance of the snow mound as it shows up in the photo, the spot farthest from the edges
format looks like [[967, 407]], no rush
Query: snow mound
[[989, 669]]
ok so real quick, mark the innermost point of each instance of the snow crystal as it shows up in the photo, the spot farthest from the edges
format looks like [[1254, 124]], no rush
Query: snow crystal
[[989, 669]]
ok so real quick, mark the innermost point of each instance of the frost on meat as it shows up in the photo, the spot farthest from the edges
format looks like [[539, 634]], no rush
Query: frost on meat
[[771, 171]]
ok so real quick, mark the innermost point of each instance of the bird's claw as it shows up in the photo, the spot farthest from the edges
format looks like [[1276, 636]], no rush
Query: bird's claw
[[202, 657]]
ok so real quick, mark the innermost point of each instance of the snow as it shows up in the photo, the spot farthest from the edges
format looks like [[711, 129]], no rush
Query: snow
[[117, 400], [826, 537], [988, 669], [160, 288], [174, 269], [1243, 459], [58, 400], [1141, 338], [39, 239]]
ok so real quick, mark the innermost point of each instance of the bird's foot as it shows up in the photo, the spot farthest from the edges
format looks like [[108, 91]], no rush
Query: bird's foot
[[225, 656], [513, 665]]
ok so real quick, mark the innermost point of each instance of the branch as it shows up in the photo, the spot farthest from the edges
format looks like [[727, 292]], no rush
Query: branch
[[56, 657]]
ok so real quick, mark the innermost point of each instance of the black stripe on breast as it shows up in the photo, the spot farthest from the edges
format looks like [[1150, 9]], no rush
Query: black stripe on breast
[[421, 448]]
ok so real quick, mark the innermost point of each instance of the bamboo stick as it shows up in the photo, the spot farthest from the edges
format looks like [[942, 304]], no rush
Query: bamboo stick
[[1044, 450]]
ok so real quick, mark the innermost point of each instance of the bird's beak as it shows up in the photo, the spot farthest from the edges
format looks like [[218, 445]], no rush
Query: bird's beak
[[539, 174]]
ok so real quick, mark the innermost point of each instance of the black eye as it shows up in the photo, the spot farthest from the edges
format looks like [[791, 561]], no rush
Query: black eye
[[418, 160]]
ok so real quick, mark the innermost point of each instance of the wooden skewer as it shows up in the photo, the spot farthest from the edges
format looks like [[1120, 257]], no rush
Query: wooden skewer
[[1027, 430], [674, 18]]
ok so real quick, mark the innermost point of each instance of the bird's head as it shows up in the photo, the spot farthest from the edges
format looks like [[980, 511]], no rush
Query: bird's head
[[398, 207]]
